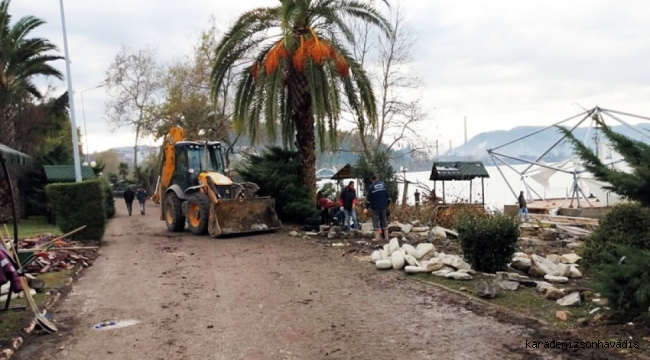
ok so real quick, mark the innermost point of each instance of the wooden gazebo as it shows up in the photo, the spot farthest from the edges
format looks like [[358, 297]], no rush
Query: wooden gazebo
[[345, 173], [459, 171]]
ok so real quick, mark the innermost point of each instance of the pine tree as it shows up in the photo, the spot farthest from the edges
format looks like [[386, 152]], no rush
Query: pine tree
[[634, 185], [625, 282]]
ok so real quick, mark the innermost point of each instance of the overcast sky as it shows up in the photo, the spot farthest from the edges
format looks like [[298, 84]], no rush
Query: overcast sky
[[500, 63]]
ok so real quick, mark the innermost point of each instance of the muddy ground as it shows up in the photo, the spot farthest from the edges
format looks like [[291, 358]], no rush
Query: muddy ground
[[268, 297]]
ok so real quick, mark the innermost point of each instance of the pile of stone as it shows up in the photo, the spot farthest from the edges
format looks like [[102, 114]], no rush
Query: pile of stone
[[413, 231], [420, 259], [554, 268]]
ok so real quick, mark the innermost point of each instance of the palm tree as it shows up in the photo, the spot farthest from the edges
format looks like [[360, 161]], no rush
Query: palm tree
[[21, 59], [300, 74], [124, 170]]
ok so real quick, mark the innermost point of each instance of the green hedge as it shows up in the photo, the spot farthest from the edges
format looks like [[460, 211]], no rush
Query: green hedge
[[627, 224], [79, 204], [488, 241], [109, 201]]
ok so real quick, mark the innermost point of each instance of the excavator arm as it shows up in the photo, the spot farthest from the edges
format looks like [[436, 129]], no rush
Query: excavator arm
[[168, 163]]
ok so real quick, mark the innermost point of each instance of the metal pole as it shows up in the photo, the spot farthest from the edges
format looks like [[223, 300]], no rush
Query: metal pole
[[495, 154], [83, 111], [483, 192], [539, 131], [503, 176], [73, 123]]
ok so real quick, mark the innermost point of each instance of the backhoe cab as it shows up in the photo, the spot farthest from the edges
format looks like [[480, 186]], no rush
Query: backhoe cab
[[195, 190]]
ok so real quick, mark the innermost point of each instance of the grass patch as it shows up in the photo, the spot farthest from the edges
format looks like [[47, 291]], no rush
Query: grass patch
[[12, 321], [525, 300], [33, 227]]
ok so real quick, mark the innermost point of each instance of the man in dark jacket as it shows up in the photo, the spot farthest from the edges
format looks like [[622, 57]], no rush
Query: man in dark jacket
[[347, 202], [377, 200], [523, 208], [142, 198], [129, 195]]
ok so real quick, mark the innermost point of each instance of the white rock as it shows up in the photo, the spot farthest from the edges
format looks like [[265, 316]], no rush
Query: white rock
[[572, 299], [521, 263], [439, 232], [415, 269], [406, 228], [375, 256], [556, 279], [420, 229], [562, 270], [425, 251], [410, 250], [294, 234], [384, 264], [387, 249], [455, 262], [393, 245], [383, 254], [543, 286], [398, 260], [554, 258], [412, 261], [459, 275], [415, 222], [547, 267], [520, 255], [570, 258], [443, 272], [366, 227], [434, 264], [574, 273]]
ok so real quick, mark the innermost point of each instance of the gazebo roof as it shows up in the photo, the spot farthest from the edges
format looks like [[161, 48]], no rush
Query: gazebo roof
[[14, 157], [458, 170], [65, 173], [344, 173]]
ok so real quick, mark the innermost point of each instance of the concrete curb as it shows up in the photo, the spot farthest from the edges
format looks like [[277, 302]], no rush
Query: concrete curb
[[17, 342]]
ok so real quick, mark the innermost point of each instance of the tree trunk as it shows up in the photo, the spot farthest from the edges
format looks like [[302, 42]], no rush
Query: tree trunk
[[8, 138], [8, 124], [135, 148], [303, 118]]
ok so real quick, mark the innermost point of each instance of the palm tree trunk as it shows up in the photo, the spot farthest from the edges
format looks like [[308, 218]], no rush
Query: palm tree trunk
[[303, 119], [8, 138]]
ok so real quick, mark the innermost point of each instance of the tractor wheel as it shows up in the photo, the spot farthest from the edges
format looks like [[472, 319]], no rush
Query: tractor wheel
[[198, 213], [174, 213]]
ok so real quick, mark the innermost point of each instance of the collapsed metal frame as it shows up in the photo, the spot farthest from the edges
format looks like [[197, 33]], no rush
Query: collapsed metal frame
[[498, 157]]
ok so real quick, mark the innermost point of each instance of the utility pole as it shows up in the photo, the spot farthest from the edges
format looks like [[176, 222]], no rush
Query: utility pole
[[437, 153], [73, 123], [449, 146], [465, 122]]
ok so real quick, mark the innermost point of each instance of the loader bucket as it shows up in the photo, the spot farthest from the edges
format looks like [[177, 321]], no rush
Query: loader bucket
[[245, 216]]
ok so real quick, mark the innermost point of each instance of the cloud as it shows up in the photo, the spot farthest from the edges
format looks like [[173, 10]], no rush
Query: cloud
[[500, 63]]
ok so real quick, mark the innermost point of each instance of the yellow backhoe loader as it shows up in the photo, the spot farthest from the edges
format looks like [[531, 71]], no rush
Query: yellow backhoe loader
[[193, 188]]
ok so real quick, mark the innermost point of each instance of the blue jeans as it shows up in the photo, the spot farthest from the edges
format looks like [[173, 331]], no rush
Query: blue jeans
[[350, 213], [523, 210]]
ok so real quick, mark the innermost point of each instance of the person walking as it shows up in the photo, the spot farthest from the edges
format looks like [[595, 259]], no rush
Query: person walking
[[129, 195], [377, 200], [142, 198], [347, 203], [523, 208]]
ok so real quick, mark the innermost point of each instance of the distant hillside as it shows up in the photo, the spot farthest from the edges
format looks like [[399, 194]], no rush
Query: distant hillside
[[535, 145]]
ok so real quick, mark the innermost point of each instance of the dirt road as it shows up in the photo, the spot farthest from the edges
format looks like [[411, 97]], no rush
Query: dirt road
[[262, 297]]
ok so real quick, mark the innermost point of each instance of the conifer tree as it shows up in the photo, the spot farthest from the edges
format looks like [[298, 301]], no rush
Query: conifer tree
[[635, 185]]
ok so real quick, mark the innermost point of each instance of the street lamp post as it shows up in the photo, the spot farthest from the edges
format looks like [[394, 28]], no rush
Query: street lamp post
[[73, 123], [83, 111]]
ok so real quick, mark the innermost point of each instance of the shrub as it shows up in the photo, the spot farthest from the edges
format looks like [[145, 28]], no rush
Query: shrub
[[626, 285], [626, 224], [488, 241], [109, 201], [79, 204], [276, 173]]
